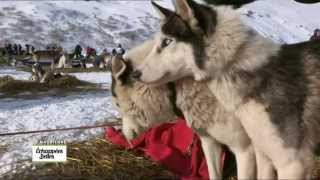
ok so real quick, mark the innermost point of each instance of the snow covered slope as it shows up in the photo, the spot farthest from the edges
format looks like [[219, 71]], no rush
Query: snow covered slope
[[105, 23], [284, 21], [96, 23]]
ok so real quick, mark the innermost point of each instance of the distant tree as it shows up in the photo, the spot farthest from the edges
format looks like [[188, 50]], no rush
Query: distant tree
[[308, 1], [234, 3]]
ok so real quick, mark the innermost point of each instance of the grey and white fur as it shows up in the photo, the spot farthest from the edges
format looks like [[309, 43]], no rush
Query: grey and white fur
[[273, 89], [140, 106], [208, 118]]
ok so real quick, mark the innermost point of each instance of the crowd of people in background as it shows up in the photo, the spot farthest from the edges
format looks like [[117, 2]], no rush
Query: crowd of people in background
[[84, 55], [91, 54], [66, 60], [17, 49]]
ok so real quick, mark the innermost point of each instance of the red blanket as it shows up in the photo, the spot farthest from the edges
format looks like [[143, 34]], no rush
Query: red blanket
[[172, 144]]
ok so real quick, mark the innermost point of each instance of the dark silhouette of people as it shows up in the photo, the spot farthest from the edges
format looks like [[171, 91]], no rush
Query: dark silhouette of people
[[27, 49], [77, 51], [316, 35], [19, 49], [32, 49], [88, 51], [15, 49], [114, 52], [9, 50]]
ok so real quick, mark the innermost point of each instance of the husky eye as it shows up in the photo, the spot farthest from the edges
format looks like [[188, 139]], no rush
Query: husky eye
[[165, 42]]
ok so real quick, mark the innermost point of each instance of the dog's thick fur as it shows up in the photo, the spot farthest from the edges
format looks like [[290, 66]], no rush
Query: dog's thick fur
[[215, 126], [274, 90], [139, 105], [207, 117]]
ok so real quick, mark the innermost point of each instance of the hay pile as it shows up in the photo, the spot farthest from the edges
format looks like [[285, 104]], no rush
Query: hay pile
[[5, 79], [97, 159], [9, 85]]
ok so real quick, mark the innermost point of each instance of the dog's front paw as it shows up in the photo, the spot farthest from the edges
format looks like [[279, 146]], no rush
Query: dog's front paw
[[200, 76]]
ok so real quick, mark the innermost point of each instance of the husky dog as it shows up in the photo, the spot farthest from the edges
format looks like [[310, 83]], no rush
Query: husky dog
[[37, 72], [64, 61], [50, 76], [273, 89], [140, 106], [209, 119]]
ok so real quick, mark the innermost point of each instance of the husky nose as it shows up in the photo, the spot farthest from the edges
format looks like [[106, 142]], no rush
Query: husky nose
[[136, 74]]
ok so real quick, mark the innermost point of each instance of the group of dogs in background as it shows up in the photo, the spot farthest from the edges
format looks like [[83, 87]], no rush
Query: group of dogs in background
[[233, 87], [60, 60]]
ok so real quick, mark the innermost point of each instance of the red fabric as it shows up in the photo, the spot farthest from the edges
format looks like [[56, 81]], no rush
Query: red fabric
[[172, 144]]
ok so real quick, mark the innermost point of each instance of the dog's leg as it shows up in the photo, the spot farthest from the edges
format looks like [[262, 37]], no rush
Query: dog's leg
[[212, 152], [299, 168], [264, 166], [246, 163], [293, 170]]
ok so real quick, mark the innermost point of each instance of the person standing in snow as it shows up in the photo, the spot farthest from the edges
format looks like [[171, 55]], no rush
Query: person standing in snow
[[9, 49], [15, 49], [83, 62], [19, 49], [32, 49], [27, 49], [77, 51], [316, 35], [114, 52]]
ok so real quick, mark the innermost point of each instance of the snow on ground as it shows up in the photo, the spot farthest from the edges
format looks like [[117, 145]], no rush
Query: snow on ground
[[22, 75], [285, 21], [51, 112], [101, 78]]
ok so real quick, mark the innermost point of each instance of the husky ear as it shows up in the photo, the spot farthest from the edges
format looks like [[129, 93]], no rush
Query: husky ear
[[118, 66], [163, 12], [198, 16], [183, 9]]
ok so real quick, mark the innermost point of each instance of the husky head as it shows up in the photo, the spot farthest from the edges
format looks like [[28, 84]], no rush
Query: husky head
[[140, 106], [178, 49]]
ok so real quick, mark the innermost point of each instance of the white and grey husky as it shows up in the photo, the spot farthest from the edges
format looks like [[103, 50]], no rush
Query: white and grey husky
[[143, 106], [273, 89], [202, 111]]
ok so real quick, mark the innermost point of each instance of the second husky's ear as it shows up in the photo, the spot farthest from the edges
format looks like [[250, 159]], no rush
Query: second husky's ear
[[118, 66], [163, 12]]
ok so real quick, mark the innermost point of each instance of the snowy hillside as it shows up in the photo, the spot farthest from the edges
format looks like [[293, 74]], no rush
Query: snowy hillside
[[96, 23], [284, 21], [105, 23]]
